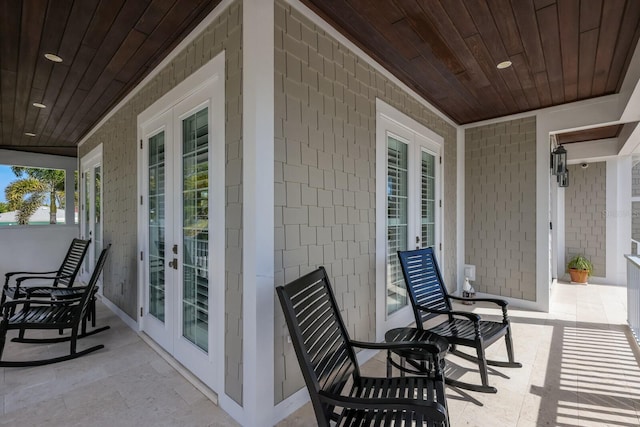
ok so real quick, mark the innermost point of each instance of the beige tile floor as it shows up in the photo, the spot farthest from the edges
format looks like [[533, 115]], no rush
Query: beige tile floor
[[579, 370]]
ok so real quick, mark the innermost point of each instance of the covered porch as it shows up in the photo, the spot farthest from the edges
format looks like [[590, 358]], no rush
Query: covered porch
[[580, 368]]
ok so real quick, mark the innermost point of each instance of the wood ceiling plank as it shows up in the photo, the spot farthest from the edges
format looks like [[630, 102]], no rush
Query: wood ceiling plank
[[432, 43], [55, 21], [406, 47], [154, 14], [528, 25], [101, 22], [569, 21], [628, 34], [493, 52], [126, 19], [477, 47], [550, 35], [440, 19], [76, 27], [604, 132], [460, 16], [63, 84], [590, 12], [527, 82], [101, 105], [378, 12], [99, 94], [32, 23], [586, 61], [10, 12], [611, 18], [507, 26], [544, 90], [8, 90]]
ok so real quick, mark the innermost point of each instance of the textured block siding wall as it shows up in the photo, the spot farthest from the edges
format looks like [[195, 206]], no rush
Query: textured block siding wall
[[120, 154], [500, 206], [325, 120], [585, 219]]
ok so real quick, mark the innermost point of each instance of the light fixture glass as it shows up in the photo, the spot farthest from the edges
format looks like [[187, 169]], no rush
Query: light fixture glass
[[30, 134], [503, 65], [39, 105], [52, 57], [559, 160], [563, 179]]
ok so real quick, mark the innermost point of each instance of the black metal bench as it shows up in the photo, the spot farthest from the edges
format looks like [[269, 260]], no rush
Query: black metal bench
[[28, 314], [429, 298], [328, 362]]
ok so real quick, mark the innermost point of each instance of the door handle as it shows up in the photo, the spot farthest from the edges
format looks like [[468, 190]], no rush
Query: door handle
[[174, 264]]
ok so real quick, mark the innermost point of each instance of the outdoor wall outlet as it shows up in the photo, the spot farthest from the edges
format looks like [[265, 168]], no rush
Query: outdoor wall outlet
[[289, 339]]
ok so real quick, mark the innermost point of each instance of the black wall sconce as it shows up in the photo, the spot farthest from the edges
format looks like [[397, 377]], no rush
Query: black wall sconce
[[559, 160]]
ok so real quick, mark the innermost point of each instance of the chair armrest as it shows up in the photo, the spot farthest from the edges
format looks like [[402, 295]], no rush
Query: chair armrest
[[500, 302], [50, 289], [471, 316], [431, 347], [13, 273], [432, 410], [19, 280]]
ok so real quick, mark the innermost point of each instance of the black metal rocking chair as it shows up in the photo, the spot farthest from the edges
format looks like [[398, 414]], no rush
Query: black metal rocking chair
[[44, 314], [429, 298], [65, 276], [328, 362]]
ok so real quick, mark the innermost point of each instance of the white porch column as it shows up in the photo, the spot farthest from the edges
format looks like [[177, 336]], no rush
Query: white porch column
[[258, 212]]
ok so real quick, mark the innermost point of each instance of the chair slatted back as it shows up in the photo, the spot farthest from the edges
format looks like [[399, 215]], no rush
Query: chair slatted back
[[72, 262], [319, 337], [93, 282], [424, 282]]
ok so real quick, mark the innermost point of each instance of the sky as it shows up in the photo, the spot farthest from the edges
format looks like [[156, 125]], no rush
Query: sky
[[6, 176]]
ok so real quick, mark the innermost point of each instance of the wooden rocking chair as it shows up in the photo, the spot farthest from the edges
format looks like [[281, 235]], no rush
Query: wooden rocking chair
[[51, 314], [328, 362], [429, 298]]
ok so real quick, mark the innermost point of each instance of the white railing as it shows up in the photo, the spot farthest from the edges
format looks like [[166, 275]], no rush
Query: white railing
[[633, 294]]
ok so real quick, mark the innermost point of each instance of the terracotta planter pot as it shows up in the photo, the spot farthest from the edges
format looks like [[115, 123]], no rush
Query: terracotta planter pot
[[579, 276]]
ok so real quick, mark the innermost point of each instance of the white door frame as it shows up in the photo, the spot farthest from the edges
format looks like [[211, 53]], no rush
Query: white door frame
[[390, 121], [208, 82]]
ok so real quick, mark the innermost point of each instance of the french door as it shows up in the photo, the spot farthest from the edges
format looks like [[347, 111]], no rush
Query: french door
[[177, 199], [408, 207], [412, 216], [91, 209]]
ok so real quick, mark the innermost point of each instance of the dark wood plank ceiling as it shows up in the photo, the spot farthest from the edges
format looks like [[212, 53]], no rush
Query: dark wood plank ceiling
[[447, 50], [107, 46], [603, 132]]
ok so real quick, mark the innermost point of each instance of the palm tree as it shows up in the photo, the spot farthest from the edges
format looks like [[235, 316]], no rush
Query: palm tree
[[27, 194]]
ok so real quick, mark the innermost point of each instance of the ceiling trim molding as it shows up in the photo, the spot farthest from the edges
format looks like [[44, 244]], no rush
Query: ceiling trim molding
[[217, 11], [327, 28]]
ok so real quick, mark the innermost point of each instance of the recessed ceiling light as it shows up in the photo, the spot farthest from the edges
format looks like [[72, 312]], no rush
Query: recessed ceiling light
[[30, 134], [37, 104], [503, 65], [52, 57]]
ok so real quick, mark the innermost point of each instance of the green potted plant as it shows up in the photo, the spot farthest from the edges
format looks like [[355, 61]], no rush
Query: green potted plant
[[580, 269]]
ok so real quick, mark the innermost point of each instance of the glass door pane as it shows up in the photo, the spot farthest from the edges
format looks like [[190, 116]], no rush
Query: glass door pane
[[87, 215], [428, 200], [397, 221], [97, 224], [195, 228], [156, 225]]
